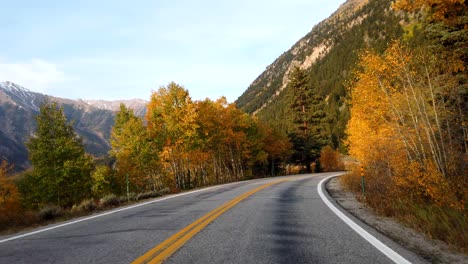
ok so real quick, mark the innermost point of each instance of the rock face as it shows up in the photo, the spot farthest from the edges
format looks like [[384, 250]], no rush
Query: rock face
[[19, 106], [312, 47]]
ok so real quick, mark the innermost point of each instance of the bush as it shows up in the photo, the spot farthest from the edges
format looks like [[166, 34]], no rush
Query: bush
[[164, 191], [352, 180], [131, 197], [147, 195], [123, 199], [87, 206], [50, 212], [109, 201], [330, 160]]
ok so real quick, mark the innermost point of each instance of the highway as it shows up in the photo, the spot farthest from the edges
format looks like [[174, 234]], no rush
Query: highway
[[272, 220]]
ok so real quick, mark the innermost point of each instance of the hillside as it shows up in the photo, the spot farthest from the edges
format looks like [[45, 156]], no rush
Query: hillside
[[328, 54], [92, 121]]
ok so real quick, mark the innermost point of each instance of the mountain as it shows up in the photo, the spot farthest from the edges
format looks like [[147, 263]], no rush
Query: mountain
[[92, 120], [137, 105], [328, 53]]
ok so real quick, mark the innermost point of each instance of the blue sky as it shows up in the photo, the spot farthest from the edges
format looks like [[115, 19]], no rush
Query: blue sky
[[125, 49]]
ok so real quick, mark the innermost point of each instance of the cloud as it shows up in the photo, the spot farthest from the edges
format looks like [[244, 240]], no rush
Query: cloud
[[35, 74]]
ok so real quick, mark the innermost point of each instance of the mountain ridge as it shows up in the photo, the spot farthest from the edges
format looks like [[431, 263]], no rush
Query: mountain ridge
[[92, 120], [303, 54], [328, 54]]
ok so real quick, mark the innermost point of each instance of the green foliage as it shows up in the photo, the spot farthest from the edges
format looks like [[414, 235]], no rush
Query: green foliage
[[375, 25], [309, 117], [136, 153], [61, 168], [102, 179]]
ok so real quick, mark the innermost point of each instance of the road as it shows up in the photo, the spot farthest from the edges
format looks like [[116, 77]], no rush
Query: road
[[273, 220]]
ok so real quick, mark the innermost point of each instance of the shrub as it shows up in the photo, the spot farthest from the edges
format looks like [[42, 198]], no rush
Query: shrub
[[330, 160], [109, 201], [131, 197], [123, 199], [164, 191], [50, 212], [352, 180], [87, 205], [147, 195]]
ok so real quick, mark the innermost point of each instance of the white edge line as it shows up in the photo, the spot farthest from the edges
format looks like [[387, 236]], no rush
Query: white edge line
[[113, 212], [395, 257]]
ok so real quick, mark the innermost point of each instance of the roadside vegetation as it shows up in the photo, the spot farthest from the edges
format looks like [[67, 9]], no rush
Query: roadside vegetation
[[408, 124], [180, 145]]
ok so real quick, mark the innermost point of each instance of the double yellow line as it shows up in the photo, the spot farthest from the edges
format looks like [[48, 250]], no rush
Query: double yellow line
[[162, 251]]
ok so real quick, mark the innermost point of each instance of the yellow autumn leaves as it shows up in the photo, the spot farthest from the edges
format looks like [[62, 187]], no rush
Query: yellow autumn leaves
[[403, 127], [184, 144]]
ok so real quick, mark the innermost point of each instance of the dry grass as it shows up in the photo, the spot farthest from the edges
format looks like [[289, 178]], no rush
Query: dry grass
[[13, 222], [438, 222]]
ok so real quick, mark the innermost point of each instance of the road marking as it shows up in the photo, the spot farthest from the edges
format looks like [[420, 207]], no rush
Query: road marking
[[395, 257], [164, 250], [114, 211]]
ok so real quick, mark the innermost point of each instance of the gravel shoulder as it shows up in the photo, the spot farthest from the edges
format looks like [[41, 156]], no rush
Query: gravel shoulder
[[434, 251]]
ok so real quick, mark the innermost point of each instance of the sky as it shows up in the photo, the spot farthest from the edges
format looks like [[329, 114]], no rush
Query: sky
[[120, 49]]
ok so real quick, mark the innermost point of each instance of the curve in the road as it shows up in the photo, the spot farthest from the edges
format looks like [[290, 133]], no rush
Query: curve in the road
[[395, 257]]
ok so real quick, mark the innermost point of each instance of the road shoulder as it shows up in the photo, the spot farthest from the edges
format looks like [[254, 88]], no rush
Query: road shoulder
[[432, 250]]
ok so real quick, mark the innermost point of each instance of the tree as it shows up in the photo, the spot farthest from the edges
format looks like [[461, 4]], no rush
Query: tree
[[171, 119], [403, 127], [309, 117], [444, 27], [60, 165], [101, 181], [137, 155], [276, 145]]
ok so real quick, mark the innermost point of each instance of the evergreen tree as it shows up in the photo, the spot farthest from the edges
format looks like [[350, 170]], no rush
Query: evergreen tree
[[309, 116], [61, 167]]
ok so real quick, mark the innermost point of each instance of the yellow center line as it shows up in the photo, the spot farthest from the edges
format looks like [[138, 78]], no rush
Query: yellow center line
[[162, 251]]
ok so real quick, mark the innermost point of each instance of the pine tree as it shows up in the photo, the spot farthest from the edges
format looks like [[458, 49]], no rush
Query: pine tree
[[61, 167], [309, 117]]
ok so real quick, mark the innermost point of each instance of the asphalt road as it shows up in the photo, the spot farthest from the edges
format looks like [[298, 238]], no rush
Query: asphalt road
[[287, 222]]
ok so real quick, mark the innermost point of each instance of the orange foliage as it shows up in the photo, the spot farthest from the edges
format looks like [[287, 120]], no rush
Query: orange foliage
[[442, 10], [396, 133], [330, 159], [9, 196]]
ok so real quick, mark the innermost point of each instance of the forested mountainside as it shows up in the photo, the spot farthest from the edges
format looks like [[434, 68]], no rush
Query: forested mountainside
[[20, 106], [386, 82], [328, 54]]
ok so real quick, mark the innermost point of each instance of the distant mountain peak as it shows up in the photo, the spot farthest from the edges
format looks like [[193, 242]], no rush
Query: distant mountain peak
[[20, 96], [13, 87], [138, 105]]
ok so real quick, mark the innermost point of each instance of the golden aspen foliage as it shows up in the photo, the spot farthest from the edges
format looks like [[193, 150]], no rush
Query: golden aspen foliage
[[395, 127]]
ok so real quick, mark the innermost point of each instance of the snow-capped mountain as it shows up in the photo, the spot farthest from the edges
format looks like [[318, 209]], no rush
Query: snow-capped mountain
[[92, 120], [138, 105], [20, 96]]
